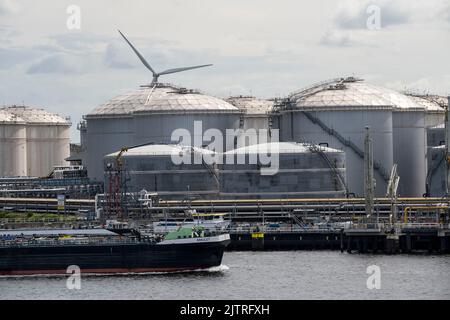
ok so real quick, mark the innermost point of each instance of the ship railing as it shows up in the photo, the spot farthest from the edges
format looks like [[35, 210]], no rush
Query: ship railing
[[64, 243]]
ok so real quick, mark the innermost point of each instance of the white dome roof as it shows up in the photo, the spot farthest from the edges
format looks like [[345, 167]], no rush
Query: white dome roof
[[162, 99], [277, 147], [431, 103], [351, 93], [6, 117], [160, 150], [31, 115], [251, 105]]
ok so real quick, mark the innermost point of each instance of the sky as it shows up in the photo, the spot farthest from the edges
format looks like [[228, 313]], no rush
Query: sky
[[70, 63]]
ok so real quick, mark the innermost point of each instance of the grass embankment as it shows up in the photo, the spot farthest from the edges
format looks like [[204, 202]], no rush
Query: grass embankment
[[35, 217]]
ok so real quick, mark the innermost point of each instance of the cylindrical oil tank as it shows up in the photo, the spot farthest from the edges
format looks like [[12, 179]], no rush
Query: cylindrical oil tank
[[152, 114], [297, 170], [47, 139], [435, 108], [104, 136], [335, 113], [255, 112], [13, 152], [410, 149], [436, 175], [409, 122], [153, 168]]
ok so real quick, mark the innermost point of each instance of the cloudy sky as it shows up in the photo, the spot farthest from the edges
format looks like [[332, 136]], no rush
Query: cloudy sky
[[258, 47]]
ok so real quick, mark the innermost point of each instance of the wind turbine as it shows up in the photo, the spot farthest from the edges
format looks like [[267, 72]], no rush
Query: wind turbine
[[157, 74]]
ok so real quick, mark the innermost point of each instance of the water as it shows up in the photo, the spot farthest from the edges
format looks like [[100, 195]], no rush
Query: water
[[260, 275]]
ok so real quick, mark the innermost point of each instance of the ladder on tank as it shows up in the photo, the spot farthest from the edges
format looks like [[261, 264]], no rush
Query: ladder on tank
[[317, 149], [348, 143]]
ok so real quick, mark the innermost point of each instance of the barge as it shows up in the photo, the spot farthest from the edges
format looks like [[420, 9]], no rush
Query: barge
[[100, 251]]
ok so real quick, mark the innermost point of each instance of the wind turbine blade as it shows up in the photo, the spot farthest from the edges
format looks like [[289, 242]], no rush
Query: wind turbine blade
[[139, 55], [183, 69]]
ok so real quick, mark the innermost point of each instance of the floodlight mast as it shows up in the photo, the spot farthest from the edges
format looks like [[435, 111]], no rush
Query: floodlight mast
[[157, 74]]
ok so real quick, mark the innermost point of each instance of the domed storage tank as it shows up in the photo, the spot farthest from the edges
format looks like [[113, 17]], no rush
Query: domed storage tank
[[152, 168], [435, 108], [151, 114], [13, 150], [256, 112], [256, 115], [302, 171], [47, 139], [336, 112]]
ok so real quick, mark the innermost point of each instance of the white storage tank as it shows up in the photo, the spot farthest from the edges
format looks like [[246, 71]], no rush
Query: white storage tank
[[47, 139], [336, 113], [150, 115], [13, 150], [410, 148], [255, 112], [435, 108]]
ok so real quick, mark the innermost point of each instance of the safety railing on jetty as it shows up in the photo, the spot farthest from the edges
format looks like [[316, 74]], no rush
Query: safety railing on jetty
[[288, 229], [330, 228], [398, 227]]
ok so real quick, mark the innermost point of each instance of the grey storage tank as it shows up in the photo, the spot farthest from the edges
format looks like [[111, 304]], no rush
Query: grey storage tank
[[303, 171], [152, 168], [436, 172]]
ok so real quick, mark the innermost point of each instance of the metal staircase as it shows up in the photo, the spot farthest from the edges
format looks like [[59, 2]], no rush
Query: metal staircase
[[348, 143], [300, 223], [212, 172], [208, 167], [336, 174]]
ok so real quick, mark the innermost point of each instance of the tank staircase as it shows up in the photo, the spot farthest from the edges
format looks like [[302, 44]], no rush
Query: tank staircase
[[348, 143], [212, 172], [336, 174]]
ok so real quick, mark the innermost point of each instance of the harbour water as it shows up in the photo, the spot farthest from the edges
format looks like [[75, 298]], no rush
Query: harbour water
[[260, 275]]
